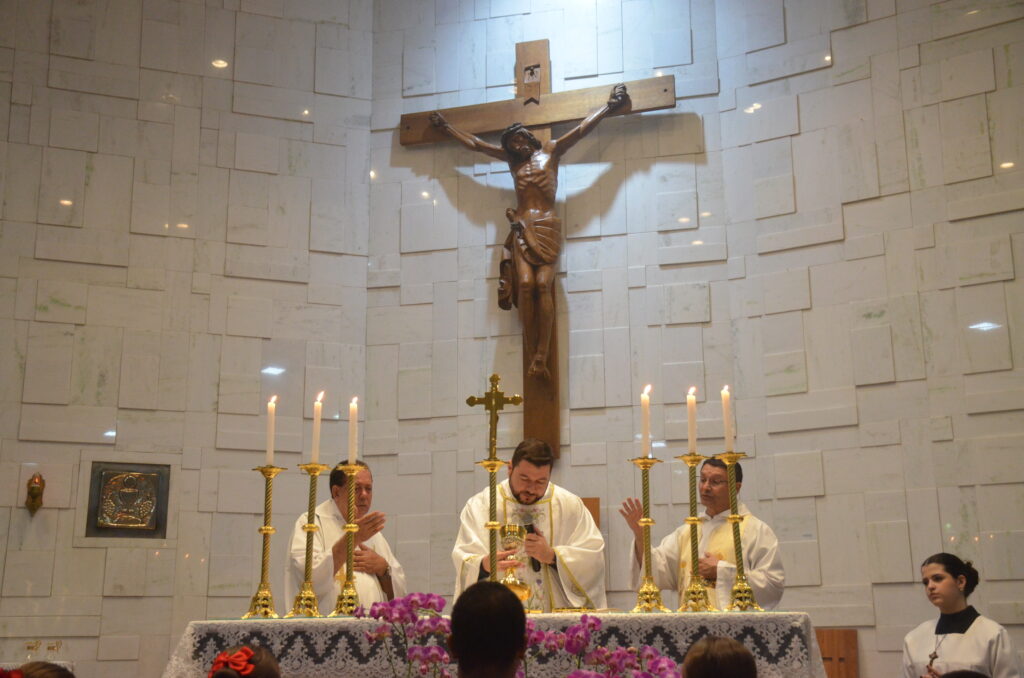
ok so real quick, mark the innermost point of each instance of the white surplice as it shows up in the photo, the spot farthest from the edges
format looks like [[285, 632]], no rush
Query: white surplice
[[577, 577], [762, 564], [985, 648], [325, 584]]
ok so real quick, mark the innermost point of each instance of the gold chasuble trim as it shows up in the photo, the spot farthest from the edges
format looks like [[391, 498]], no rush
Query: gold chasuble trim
[[575, 582], [720, 544]]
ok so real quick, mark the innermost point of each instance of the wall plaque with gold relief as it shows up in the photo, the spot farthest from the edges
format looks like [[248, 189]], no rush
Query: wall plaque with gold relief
[[128, 500]]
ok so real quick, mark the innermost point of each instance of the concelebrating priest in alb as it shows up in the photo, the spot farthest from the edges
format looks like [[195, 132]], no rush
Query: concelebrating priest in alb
[[670, 560]]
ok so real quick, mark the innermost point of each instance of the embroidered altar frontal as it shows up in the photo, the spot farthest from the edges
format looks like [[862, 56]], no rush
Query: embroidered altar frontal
[[783, 643]]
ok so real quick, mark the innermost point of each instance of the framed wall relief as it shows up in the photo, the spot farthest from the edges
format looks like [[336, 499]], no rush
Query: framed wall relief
[[128, 500]]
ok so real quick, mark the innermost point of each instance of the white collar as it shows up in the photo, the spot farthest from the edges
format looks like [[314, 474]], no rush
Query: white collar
[[740, 507]]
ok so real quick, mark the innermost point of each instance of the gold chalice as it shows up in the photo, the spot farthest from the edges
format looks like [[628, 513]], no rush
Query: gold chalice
[[513, 537]]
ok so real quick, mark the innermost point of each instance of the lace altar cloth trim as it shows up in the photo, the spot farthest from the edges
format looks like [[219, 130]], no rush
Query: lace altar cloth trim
[[783, 643]]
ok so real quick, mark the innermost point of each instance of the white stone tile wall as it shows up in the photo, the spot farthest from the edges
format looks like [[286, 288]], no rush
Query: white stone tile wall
[[829, 221]]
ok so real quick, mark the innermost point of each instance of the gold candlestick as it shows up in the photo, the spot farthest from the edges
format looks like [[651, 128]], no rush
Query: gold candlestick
[[262, 604], [742, 594], [648, 598], [348, 598], [695, 597], [493, 401], [306, 604]]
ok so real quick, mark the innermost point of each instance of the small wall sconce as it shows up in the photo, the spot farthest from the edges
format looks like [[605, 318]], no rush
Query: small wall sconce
[[34, 495]]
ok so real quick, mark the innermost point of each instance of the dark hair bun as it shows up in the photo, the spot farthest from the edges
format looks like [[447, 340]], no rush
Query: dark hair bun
[[972, 578]]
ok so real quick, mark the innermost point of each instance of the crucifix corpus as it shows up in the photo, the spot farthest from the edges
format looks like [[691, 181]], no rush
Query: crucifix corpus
[[534, 242]]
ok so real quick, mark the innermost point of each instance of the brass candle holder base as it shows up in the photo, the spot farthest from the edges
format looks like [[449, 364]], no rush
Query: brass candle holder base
[[743, 597], [262, 605], [742, 594], [348, 601], [306, 604], [695, 597], [648, 596], [348, 598]]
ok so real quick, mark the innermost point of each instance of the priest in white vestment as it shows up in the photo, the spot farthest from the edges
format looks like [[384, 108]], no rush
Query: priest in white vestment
[[378, 575], [670, 560], [565, 568]]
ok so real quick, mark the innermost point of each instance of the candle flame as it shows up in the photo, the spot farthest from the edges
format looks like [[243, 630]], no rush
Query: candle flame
[[692, 391], [273, 399], [647, 389], [355, 400], [725, 389], [320, 396]]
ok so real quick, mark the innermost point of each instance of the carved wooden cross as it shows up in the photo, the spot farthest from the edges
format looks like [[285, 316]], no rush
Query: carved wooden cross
[[537, 108]]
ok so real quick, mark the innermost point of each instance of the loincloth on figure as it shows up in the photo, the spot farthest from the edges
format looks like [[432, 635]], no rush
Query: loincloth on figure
[[530, 242]]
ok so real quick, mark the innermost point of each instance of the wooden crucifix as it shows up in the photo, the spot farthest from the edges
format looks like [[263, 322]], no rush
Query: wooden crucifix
[[531, 250]]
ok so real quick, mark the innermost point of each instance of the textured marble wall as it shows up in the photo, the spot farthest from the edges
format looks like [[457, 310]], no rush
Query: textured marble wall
[[828, 221], [170, 228]]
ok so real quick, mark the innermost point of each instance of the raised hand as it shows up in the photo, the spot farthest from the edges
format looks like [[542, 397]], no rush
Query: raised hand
[[437, 120], [369, 525], [632, 511], [617, 97]]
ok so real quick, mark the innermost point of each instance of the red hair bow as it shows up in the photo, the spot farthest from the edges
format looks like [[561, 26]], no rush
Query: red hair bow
[[238, 661]]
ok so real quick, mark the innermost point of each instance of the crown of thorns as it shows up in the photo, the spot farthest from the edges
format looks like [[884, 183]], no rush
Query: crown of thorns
[[519, 128]]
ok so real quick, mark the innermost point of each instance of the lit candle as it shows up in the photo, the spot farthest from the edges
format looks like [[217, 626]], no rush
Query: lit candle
[[691, 419], [727, 419], [271, 408], [353, 430], [318, 408], [645, 419]]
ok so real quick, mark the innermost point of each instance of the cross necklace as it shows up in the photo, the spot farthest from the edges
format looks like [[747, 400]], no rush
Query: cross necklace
[[935, 653]]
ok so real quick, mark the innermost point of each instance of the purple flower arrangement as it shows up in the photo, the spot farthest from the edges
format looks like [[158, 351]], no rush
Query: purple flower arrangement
[[415, 624], [574, 646]]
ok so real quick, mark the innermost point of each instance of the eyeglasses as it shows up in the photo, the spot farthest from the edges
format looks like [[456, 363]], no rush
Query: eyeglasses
[[714, 482]]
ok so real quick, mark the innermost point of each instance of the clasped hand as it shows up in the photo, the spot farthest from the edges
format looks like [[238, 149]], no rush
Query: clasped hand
[[369, 525], [536, 546], [368, 561]]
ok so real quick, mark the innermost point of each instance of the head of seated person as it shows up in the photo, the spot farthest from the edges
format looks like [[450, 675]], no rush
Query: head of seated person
[[963, 673], [236, 661], [488, 636], [718, 657], [44, 670]]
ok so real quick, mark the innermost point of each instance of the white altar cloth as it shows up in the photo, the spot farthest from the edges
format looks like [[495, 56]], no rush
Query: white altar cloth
[[783, 643]]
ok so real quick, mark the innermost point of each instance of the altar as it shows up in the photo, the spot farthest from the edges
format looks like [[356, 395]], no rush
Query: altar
[[783, 643]]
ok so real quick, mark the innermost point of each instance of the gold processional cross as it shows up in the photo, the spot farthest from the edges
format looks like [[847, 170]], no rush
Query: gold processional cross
[[493, 401], [538, 109]]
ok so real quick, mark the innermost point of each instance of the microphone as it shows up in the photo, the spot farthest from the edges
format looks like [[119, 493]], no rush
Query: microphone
[[534, 563]]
